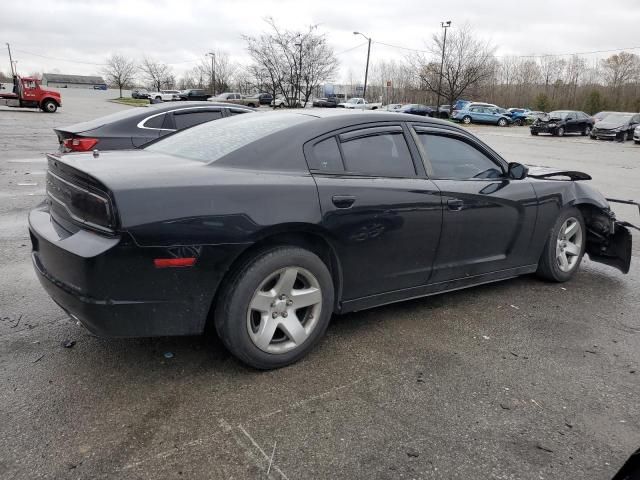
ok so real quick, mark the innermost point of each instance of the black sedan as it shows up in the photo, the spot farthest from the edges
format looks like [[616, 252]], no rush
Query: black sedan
[[194, 94], [264, 226], [417, 109], [135, 127], [616, 126], [561, 122]]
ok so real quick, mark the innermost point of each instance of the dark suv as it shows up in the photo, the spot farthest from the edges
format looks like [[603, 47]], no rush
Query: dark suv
[[194, 94]]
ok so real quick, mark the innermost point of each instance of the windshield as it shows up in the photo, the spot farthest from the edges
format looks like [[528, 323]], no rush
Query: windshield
[[561, 114], [211, 141], [617, 118]]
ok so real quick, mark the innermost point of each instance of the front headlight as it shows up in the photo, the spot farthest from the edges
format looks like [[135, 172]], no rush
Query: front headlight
[[617, 130], [637, 130]]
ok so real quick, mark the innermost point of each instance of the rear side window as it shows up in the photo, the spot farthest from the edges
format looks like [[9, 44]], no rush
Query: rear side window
[[189, 119], [154, 122], [379, 155], [326, 156], [237, 111], [451, 158]]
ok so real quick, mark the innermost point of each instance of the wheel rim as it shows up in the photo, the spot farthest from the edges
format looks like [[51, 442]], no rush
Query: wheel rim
[[50, 107], [502, 122], [587, 131], [560, 132], [466, 120], [284, 310], [569, 244], [625, 136]]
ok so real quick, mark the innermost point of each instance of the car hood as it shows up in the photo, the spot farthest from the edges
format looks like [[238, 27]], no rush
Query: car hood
[[608, 124], [547, 119]]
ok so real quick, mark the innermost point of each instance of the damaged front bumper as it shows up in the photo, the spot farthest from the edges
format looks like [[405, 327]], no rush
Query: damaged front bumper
[[610, 241]]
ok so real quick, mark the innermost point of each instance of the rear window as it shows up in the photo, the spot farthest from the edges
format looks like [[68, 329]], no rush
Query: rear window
[[211, 141]]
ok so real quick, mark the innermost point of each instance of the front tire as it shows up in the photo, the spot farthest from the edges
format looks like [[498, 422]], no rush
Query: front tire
[[466, 119], [518, 122], [560, 132], [49, 106], [502, 122], [565, 247], [276, 307], [624, 137], [587, 131]]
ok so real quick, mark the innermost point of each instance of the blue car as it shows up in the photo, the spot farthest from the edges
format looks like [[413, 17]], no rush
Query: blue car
[[519, 115], [480, 114]]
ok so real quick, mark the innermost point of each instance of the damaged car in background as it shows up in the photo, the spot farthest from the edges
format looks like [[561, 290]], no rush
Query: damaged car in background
[[561, 122], [264, 226]]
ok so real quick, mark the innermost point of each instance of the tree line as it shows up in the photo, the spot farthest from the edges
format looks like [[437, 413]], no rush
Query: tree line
[[294, 64]]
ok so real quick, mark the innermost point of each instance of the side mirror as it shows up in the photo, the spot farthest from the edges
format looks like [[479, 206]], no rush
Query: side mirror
[[517, 171]]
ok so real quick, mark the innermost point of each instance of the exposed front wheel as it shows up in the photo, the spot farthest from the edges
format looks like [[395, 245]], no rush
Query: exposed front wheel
[[49, 106], [276, 307], [466, 119], [565, 247], [518, 122]]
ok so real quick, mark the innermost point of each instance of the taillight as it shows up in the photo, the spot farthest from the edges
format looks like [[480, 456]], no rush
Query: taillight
[[174, 262], [80, 144]]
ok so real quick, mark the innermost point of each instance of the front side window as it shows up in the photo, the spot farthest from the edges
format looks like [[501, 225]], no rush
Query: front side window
[[380, 155], [452, 158]]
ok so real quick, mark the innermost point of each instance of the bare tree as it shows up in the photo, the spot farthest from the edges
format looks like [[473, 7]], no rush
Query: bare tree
[[119, 71], [291, 63], [468, 62], [621, 68], [157, 74]]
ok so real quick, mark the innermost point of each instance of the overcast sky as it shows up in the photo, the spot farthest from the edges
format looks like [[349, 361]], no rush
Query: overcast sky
[[68, 32]]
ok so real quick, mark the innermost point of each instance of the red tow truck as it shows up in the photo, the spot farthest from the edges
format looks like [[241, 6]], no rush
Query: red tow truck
[[27, 93]]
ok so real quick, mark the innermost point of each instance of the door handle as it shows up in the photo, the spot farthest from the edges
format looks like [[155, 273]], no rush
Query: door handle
[[455, 204], [343, 201]]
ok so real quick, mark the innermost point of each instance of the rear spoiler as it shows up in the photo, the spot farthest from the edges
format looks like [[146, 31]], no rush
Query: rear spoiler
[[626, 202]]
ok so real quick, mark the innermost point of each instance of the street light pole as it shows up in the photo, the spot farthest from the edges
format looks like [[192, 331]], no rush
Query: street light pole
[[213, 72], [299, 93], [444, 25], [366, 71]]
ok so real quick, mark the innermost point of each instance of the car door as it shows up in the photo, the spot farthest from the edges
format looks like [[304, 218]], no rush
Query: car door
[[383, 214], [488, 219], [572, 124], [633, 123]]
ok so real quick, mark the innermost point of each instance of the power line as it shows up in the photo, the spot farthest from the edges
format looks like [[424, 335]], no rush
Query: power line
[[520, 56], [58, 59], [352, 48]]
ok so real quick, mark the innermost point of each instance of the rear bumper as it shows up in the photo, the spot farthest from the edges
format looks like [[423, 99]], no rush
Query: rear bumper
[[111, 285]]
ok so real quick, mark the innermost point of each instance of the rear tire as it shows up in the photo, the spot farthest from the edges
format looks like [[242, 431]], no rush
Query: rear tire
[[466, 119], [502, 122], [49, 106], [535, 134], [261, 315], [565, 247]]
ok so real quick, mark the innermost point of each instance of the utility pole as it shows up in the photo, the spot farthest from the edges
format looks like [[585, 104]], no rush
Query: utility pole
[[444, 25], [13, 70], [213, 72], [299, 73], [366, 70]]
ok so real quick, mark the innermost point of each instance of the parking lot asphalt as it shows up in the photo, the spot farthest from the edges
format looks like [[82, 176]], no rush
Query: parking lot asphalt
[[515, 380]]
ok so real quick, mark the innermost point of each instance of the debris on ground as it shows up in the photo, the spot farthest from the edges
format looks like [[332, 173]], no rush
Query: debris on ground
[[38, 359], [412, 453], [539, 446], [68, 343], [168, 354], [513, 306]]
